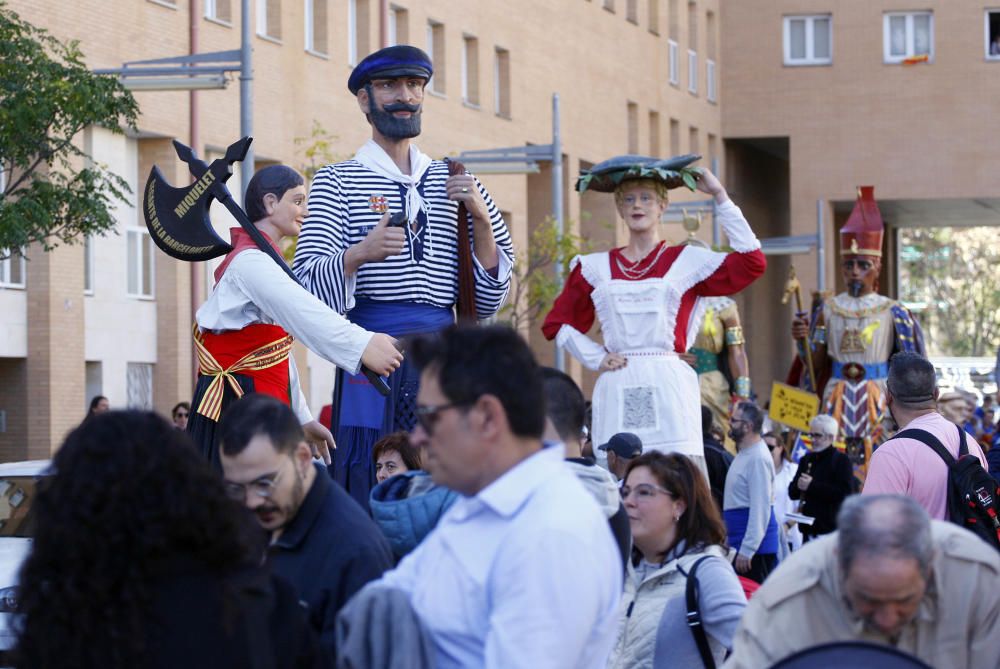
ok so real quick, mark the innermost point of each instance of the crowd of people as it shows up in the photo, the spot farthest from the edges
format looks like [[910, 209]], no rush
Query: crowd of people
[[470, 508]]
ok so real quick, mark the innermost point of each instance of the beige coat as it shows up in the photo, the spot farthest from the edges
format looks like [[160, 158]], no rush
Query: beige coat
[[802, 605]]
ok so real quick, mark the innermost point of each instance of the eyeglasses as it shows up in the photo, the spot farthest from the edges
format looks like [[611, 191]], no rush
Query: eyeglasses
[[644, 491], [181, 415], [428, 415], [263, 487], [863, 265], [816, 435]]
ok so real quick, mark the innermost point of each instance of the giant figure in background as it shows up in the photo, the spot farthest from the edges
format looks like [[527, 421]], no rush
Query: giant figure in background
[[851, 336], [649, 298]]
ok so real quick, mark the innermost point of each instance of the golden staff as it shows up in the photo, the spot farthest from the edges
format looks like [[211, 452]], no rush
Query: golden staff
[[793, 287]]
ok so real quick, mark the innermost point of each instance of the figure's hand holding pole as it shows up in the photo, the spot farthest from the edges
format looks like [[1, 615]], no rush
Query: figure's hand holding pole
[[800, 326]]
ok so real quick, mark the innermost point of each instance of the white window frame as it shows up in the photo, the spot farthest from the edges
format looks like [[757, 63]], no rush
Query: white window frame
[[262, 19], [352, 32], [134, 240], [5, 264], [710, 81], [88, 264], [692, 72], [810, 58], [211, 10], [465, 70], [391, 29], [672, 68], [910, 37], [310, 11], [433, 81], [986, 32]]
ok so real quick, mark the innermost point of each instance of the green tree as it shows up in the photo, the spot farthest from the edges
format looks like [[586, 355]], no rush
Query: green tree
[[52, 190], [535, 286], [948, 277]]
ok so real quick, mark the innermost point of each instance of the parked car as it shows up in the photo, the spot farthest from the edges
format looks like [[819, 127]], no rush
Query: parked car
[[18, 484]]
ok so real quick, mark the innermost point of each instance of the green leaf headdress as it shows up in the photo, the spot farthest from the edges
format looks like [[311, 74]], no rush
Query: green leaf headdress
[[606, 176]]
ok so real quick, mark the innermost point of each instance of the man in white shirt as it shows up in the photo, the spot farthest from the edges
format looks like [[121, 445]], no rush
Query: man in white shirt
[[521, 571]]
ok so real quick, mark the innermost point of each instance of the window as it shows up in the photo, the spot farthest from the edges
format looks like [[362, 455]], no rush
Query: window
[[358, 18], [713, 152], [501, 82], [672, 66], [139, 385], [993, 34], [692, 71], [269, 18], [399, 26], [633, 127], [435, 48], [907, 35], [675, 137], [316, 25], [88, 265], [12, 269], [632, 11], [674, 19], [609, 5], [470, 70], [692, 26], [807, 40], [654, 16], [654, 133], [693, 145], [139, 263], [710, 37], [219, 10], [710, 92]]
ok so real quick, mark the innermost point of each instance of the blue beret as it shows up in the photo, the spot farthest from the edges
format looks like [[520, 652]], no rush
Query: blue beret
[[389, 63]]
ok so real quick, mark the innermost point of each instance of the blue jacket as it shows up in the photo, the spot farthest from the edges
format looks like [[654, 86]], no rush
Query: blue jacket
[[406, 508], [328, 552]]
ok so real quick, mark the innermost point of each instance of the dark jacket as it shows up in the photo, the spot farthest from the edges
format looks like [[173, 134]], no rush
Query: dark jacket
[[246, 620], [717, 461], [832, 479], [328, 552]]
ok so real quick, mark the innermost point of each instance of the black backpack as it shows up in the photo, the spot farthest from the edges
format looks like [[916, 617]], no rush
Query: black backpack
[[973, 495]]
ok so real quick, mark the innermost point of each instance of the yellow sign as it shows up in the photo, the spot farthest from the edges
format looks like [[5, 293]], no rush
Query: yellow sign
[[792, 407]]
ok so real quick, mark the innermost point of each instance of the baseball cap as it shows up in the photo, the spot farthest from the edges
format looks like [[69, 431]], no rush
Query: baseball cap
[[624, 444]]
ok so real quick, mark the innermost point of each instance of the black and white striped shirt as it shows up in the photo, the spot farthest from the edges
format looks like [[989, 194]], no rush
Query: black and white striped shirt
[[347, 200]]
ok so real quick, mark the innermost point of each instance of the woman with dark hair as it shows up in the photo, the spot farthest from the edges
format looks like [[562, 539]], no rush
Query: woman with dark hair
[[405, 504], [675, 524], [394, 454], [98, 405], [245, 329], [141, 560]]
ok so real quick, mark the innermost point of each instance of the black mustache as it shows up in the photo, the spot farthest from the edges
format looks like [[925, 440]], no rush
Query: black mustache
[[401, 106]]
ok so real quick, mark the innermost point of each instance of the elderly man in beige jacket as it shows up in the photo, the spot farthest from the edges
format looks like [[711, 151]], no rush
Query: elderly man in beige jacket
[[891, 576]]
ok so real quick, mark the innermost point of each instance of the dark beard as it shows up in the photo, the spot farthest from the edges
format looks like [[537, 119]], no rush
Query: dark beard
[[855, 288], [736, 435], [392, 127]]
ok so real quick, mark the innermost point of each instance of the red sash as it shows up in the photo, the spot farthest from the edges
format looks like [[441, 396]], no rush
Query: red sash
[[259, 351]]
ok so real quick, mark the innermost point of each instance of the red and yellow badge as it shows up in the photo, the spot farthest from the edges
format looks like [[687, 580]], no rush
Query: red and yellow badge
[[378, 204]]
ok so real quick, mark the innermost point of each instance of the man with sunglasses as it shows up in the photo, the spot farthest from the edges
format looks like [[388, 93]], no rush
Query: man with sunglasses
[[321, 541], [521, 570], [823, 480], [851, 337]]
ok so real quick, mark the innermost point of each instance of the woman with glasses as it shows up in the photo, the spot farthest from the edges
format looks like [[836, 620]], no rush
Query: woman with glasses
[[140, 560], [647, 297], [675, 525]]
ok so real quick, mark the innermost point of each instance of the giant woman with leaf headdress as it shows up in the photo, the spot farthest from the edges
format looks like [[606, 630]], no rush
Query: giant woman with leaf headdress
[[648, 298]]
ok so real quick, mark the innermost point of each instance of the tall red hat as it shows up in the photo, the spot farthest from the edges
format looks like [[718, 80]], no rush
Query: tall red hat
[[862, 234]]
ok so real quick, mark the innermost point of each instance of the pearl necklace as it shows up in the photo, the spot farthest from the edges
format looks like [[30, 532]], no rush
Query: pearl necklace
[[631, 272]]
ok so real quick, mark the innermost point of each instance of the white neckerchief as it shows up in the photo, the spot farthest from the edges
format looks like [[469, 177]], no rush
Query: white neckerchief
[[374, 157]]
